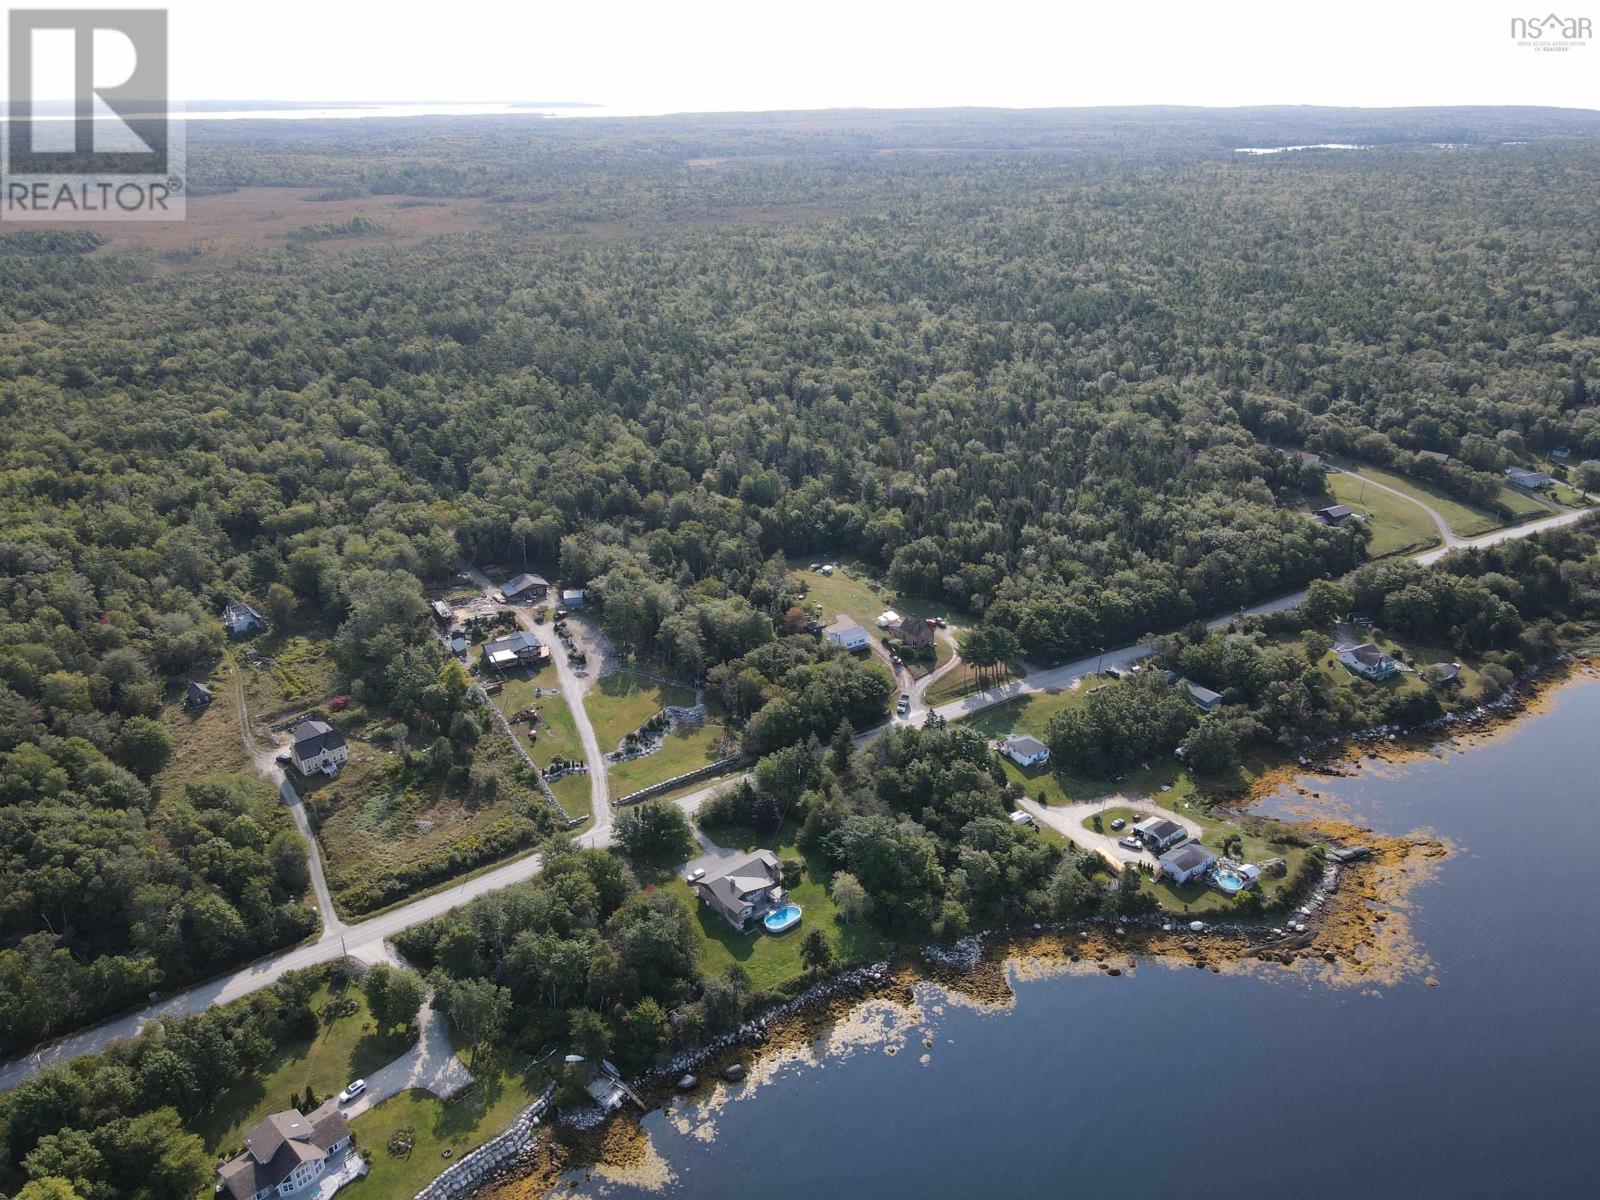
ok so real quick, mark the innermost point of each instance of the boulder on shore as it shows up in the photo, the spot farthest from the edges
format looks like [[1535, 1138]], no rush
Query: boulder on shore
[[688, 1083], [734, 1072]]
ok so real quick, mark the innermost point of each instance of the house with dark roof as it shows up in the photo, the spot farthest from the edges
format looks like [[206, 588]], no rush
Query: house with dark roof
[[1367, 661], [1334, 514], [1160, 833], [286, 1153], [525, 587], [742, 887], [520, 649], [1437, 456], [318, 746], [241, 618], [1025, 750], [197, 695], [1189, 861]]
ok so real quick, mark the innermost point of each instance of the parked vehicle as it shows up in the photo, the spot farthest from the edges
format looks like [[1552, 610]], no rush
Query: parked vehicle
[[697, 874], [356, 1087], [1130, 843], [1118, 823]]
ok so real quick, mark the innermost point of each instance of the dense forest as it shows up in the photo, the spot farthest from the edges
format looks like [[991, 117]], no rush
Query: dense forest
[[1041, 375]]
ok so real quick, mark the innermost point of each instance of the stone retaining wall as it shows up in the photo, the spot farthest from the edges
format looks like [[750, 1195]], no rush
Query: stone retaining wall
[[688, 777], [495, 1156]]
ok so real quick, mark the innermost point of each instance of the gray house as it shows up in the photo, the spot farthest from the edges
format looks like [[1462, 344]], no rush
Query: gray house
[[318, 746], [742, 887], [1203, 696], [1188, 861], [525, 587], [286, 1153], [1367, 661], [518, 649]]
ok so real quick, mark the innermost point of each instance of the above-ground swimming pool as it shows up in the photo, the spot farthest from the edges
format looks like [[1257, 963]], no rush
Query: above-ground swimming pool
[[1228, 882], [783, 918]]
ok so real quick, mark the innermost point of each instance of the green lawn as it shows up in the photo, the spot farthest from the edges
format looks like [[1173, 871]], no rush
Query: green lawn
[[296, 672], [624, 700], [961, 681], [854, 591], [1464, 520], [1396, 524], [1525, 505], [686, 747], [461, 1125], [573, 792], [345, 1048], [773, 959]]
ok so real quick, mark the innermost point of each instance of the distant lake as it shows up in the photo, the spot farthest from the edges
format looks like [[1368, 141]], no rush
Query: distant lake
[[1290, 149], [1178, 1082]]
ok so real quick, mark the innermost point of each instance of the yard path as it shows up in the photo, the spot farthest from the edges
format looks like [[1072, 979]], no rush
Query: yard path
[[1068, 819], [350, 939], [573, 688], [1449, 539], [919, 690], [266, 764], [431, 1065]]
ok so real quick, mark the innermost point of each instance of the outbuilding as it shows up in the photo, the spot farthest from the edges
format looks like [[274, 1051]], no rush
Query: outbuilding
[[525, 587], [1160, 833]]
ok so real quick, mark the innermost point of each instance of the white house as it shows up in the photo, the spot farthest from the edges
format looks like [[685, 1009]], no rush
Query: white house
[[318, 746], [887, 618], [572, 598], [240, 619], [1189, 861], [1369, 662], [847, 634], [1025, 750], [286, 1153]]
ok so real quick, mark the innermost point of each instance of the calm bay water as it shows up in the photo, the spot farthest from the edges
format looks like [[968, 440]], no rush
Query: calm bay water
[[1175, 1081]]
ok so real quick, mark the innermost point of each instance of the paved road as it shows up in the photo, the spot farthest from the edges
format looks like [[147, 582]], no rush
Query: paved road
[[1510, 533], [336, 943]]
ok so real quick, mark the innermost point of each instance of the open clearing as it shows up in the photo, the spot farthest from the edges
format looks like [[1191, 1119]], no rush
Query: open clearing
[[259, 218], [1396, 524], [687, 747], [624, 700], [852, 590]]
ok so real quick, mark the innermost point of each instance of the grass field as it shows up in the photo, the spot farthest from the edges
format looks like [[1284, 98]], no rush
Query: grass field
[[1396, 524], [854, 591], [686, 747], [1463, 520], [773, 959], [573, 792], [291, 672], [624, 700], [964, 680], [1527, 506], [207, 742], [382, 823], [463, 1124], [344, 1048]]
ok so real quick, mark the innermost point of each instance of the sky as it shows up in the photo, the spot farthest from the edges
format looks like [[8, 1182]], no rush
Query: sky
[[718, 55]]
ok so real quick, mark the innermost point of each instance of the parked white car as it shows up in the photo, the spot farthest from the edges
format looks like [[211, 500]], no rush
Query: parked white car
[[1130, 843], [357, 1086]]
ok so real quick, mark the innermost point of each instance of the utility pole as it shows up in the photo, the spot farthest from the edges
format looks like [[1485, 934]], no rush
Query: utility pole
[[1100, 666]]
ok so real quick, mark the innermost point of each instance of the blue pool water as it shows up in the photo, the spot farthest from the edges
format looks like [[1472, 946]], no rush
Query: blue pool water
[[1229, 882], [783, 918]]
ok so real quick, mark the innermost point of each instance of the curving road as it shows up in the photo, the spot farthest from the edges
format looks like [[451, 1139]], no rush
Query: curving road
[[337, 942]]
